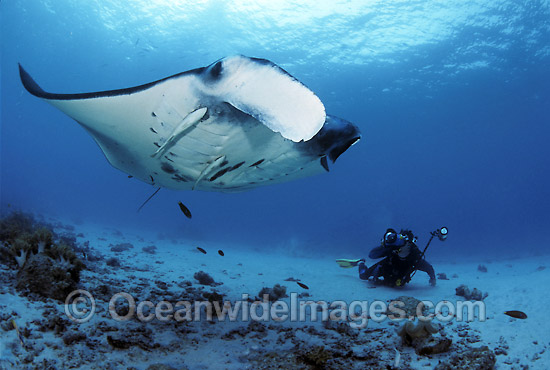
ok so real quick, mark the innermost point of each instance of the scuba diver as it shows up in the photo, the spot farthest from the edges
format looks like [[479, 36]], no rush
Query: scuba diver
[[401, 259]]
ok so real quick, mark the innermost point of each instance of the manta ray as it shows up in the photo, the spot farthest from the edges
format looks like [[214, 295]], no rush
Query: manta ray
[[234, 125]]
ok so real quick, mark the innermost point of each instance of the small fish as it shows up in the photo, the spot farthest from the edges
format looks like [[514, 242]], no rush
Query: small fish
[[516, 314], [201, 250], [220, 252], [397, 361], [18, 333], [130, 176], [185, 210], [302, 285]]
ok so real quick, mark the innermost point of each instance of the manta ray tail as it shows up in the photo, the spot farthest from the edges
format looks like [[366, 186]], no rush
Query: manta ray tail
[[148, 199]]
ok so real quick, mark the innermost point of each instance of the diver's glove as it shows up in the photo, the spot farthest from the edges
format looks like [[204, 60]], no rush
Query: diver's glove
[[432, 281]]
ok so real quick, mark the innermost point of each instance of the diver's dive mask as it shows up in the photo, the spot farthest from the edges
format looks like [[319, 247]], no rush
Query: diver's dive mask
[[394, 240], [390, 237]]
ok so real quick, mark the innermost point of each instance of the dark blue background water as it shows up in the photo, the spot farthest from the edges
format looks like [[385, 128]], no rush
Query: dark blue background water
[[453, 100]]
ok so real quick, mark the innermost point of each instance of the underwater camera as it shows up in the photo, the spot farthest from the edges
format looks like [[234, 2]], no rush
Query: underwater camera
[[390, 238], [441, 233]]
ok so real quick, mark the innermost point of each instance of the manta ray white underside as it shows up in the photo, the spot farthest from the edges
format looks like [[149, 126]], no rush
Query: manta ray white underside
[[237, 124]]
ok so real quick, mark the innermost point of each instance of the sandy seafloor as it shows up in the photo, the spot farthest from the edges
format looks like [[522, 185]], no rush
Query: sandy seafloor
[[518, 284]]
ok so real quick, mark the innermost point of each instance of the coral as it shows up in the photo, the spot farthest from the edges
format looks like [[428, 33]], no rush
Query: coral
[[51, 274], [407, 304], [53, 321], [15, 224], [343, 328], [26, 240], [317, 356], [432, 346], [150, 249], [133, 337], [121, 247], [6, 256], [42, 238], [65, 256], [119, 343], [258, 329], [422, 329], [23, 235], [274, 294], [482, 268], [72, 337], [473, 295], [166, 367], [102, 291], [420, 337], [20, 249], [162, 367], [61, 253], [502, 347], [46, 277], [203, 278], [213, 297], [21, 257], [113, 262], [475, 358], [67, 239]]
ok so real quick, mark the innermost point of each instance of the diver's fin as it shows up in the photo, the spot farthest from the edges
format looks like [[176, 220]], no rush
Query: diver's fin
[[345, 263], [187, 122]]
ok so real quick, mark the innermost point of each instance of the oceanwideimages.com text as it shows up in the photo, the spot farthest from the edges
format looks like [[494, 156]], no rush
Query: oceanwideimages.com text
[[80, 306]]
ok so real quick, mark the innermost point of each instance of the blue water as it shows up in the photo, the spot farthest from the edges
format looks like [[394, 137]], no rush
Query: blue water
[[452, 98]]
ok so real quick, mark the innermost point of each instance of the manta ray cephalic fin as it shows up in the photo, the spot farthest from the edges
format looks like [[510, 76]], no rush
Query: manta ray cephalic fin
[[217, 162], [187, 122]]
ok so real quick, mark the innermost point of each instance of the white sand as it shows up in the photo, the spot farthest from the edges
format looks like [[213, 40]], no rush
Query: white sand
[[512, 285]]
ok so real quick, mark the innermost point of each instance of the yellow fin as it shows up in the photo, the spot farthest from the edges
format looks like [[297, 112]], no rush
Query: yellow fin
[[347, 263]]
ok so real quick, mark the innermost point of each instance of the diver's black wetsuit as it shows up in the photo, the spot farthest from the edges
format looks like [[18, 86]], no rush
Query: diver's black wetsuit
[[393, 267]]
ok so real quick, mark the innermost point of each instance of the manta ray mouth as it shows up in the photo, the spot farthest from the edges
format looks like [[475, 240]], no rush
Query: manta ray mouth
[[338, 150]]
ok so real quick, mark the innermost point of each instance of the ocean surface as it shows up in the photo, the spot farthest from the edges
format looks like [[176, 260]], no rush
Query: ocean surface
[[452, 99]]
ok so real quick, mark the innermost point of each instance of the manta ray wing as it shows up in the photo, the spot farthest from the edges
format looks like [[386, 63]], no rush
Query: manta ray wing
[[234, 125]]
